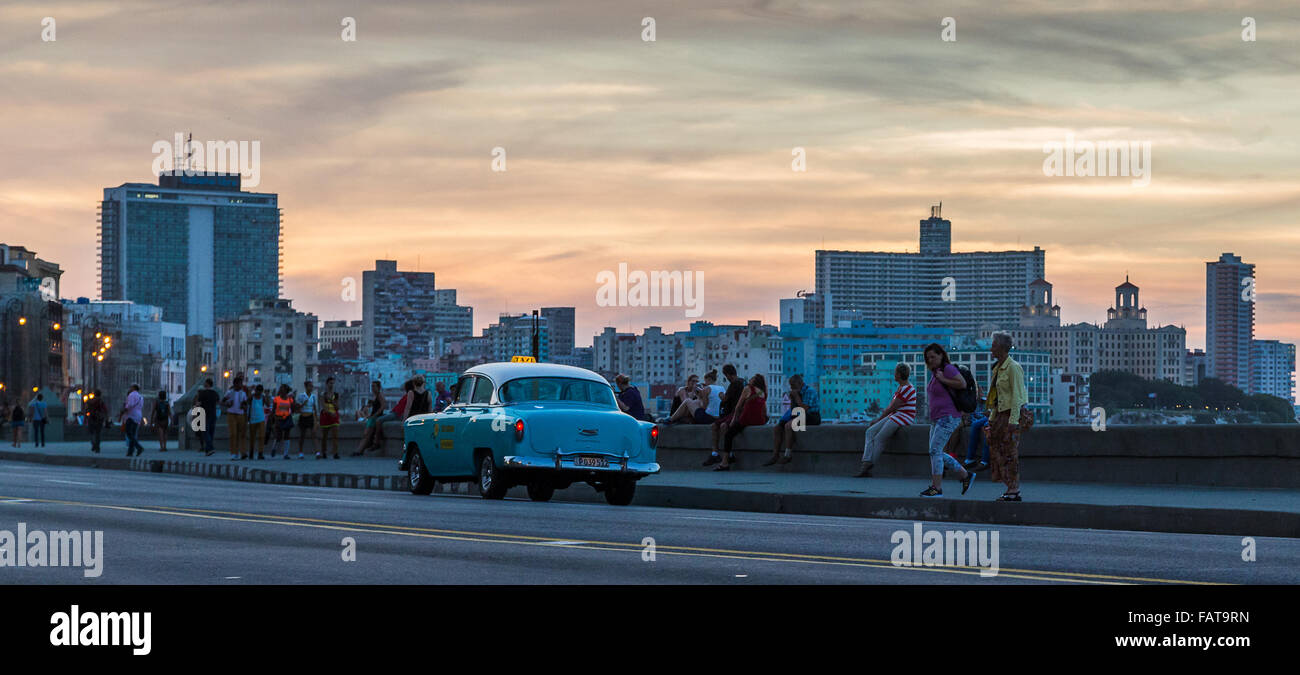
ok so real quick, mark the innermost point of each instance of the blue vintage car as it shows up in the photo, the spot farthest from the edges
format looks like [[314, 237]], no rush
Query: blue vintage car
[[542, 425]]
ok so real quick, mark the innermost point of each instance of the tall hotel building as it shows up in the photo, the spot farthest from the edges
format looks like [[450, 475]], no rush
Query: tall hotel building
[[1229, 319], [198, 247], [908, 289]]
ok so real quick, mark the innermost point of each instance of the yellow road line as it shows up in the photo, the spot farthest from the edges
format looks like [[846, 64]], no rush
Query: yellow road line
[[531, 540]]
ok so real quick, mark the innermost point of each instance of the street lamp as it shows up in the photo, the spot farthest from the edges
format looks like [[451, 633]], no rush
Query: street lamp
[[22, 321]]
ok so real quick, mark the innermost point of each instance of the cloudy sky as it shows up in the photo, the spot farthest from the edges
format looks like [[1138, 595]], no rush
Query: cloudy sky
[[676, 154]]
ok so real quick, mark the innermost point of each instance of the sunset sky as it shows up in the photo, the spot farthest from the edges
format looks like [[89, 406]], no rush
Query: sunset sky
[[676, 154]]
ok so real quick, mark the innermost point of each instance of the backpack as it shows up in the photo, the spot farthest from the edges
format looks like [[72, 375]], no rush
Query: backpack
[[964, 399]]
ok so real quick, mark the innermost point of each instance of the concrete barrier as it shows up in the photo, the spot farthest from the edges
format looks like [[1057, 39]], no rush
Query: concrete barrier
[[1253, 455]]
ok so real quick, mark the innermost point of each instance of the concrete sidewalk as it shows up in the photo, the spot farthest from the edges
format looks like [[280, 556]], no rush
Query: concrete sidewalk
[[1162, 508]]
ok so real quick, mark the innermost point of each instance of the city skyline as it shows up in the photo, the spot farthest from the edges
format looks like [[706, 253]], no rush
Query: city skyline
[[676, 154]]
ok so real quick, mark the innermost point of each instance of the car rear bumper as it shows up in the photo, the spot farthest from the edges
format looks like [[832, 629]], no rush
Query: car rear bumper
[[617, 465]]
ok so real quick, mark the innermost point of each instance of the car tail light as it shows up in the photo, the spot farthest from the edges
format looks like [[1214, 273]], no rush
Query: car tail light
[[654, 436], [519, 430]]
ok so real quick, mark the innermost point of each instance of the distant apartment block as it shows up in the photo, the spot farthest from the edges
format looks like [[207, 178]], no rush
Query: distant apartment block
[[934, 287], [1124, 343], [31, 318], [1196, 367], [512, 335], [560, 325], [270, 343], [198, 247], [335, 333], [403, 311], [1229, 319], [145, 350], [1272, 369]]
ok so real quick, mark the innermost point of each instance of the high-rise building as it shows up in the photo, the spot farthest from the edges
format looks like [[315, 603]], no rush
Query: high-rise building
[[1229, 318], [1196, 367], [934, 287], [198, 247], [1272, 369], [560, 324], [403, 311]]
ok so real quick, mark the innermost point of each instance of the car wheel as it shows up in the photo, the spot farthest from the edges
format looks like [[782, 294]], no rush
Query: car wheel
[[541, 490], [620, 492], [490, 485], [417, 475]]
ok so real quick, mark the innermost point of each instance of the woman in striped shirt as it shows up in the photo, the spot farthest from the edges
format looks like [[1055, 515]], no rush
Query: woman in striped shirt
[[900, 413]]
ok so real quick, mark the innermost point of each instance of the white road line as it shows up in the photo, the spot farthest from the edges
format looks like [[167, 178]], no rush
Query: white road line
[[322, 499], [778, 522], [66, 482], [564, 543], [14, 501]]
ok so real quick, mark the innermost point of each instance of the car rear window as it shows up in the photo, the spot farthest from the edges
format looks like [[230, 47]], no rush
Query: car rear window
[[557, 389]]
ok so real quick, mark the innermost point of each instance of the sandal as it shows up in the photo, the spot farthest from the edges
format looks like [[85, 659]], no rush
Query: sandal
[[1009, 497], [773, 460], [722, 467]]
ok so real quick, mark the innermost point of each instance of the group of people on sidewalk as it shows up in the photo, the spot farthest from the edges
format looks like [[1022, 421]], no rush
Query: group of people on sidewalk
[[19, 416], [997, 420], [1005, 418]]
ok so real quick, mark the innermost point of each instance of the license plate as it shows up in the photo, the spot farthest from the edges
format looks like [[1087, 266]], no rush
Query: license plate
[[595, 462]]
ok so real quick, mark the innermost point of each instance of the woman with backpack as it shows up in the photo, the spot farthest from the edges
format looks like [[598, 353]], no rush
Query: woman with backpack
[[941, 395]]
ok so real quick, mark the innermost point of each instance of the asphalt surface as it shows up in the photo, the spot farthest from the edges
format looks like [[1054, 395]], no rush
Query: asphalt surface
[[164, 529]]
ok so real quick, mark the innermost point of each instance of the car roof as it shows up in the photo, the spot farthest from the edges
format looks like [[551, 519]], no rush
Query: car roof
[[501, 372]]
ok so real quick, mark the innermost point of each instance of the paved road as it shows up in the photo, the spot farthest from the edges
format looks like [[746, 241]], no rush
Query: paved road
[[162, 529]]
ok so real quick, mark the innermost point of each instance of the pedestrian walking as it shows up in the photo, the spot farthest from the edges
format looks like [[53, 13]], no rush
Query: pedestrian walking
[[39, 416], [329, 420], [235, 405], [727, 406], [944, 418], [1009, 416], [376, 411], [17, 420], [161, 418], [257, 405], [131, 416], [900, 413], [96, 418], [206, 401], [751, 410], [803, 404]]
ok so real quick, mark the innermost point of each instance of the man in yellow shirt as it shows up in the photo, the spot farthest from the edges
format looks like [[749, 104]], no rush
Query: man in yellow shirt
[[1006, 400]]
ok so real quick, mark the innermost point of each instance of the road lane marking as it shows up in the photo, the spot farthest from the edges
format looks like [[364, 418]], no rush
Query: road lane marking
[[15, 501], [564, 543], [778, 522], [67, 482], [636, 547], [322, 499]]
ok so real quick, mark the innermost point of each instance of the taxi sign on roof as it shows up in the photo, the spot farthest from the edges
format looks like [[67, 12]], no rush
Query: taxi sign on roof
[[523, 359]]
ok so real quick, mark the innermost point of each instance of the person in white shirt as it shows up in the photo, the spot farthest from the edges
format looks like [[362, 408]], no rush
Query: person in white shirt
[[133, 412], [308, 406], [235, 405]]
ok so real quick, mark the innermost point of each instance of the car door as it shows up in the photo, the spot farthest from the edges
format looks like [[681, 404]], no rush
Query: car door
[[477, 430], [448, 454]]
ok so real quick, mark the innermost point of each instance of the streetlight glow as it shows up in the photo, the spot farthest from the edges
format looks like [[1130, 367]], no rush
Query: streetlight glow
[[22, 321]]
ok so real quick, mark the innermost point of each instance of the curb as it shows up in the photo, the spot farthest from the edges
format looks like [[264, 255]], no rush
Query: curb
[[1180, 520]]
